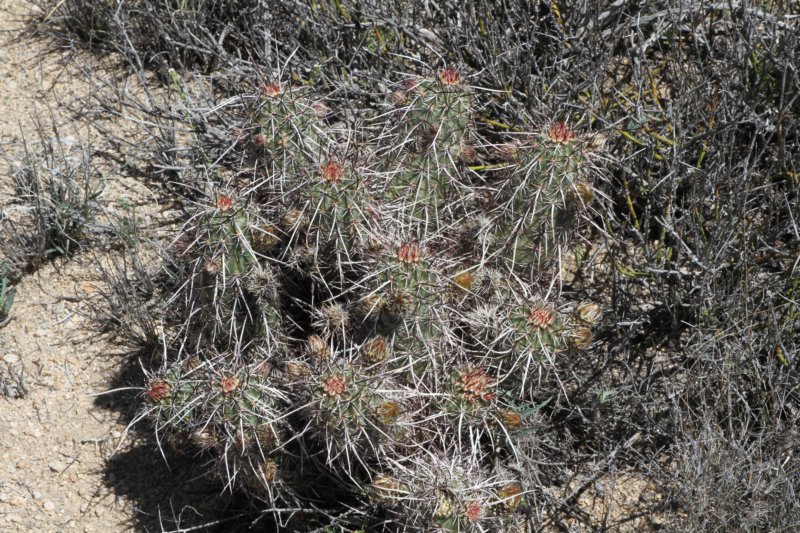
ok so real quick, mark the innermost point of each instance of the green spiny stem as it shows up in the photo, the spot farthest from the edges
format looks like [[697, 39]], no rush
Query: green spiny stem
[[232, 277], [289, 133], [235, 408], [417, 378], [541, 199], [351, 414], [408, 286], [421, 153], [536, 333], [429, 493], [337, 210]]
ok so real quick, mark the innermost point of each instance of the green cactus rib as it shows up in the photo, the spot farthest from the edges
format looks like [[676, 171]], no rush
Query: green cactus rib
[[230, 274], [337, 216], [434, 493], [353, 414], [288, 131], [406, 291]]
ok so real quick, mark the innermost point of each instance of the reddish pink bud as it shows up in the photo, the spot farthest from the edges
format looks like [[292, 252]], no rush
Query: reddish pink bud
[[224, 202], [334, 386], [228, 384], [473, 511], [450, 76], [271, 89], [560, 133], [477, 385], [541, 317], [332, 172], [409, 253], [158, 391]]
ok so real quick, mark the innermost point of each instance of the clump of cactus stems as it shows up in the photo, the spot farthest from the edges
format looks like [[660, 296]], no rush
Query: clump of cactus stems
[[362, 309]]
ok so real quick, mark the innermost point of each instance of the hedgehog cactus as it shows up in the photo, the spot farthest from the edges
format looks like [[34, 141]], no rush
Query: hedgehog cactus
[[545, 190], [218, 406], [435, 494], [226, 277], [351, 412], [471, 390], [336, 210], [408, 286], [365, 312], [423, 147], [287, 133], [307, 170]]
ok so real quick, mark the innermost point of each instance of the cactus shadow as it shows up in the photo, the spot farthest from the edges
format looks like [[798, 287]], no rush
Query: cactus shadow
[[124, 386], [169, 492]]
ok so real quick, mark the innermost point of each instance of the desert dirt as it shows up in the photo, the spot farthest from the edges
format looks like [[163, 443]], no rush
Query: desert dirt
[[69, 460]]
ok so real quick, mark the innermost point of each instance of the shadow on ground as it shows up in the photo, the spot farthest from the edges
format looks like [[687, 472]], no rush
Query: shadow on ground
[[169, 490]]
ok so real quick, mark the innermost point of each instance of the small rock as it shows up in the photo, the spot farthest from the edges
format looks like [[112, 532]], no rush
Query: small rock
[[11, 358], [73, 477], [5, 498], [57, 466], [49, 506], [22, 465], [36, 495], [116, 434], [14, 518]]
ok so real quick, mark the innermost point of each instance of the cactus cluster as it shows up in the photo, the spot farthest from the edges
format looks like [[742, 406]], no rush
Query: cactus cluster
[[364, 314]]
